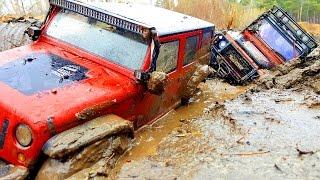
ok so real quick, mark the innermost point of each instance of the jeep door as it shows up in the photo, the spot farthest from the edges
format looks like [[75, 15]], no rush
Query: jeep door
[[153, 106], [195, 51]]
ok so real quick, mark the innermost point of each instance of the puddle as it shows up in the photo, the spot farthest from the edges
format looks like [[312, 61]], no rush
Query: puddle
[[148, 138]]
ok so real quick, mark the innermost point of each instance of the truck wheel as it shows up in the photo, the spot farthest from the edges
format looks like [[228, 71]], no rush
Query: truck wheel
[[93, 159], [198, 76]]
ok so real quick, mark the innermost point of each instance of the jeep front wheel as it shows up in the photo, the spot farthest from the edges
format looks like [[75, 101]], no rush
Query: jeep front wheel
[[74, 157]]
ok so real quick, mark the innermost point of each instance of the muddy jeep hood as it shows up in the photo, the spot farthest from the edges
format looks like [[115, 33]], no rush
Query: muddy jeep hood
[[47, 87], [39, 72], [42, 80]]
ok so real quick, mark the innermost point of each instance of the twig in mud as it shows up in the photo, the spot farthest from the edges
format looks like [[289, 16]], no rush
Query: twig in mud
[[247, 153], [113, 154], [301, 153], [181, 135], [278, 168], [244, 136]]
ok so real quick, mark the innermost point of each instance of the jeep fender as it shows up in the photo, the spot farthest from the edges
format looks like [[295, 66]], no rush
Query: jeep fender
[[88, 133]]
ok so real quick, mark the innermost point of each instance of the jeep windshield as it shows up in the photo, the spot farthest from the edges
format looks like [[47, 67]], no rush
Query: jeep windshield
[[116, 45]]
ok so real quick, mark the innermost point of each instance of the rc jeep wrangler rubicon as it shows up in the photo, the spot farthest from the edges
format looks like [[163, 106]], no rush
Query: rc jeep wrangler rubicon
[[94, 73]]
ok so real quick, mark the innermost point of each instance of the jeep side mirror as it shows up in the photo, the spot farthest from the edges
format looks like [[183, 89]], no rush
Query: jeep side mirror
[[141, 76], [155, 81], [33, 32]]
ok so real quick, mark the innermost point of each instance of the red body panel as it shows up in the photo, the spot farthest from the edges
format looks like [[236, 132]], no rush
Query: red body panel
[[111, 87]]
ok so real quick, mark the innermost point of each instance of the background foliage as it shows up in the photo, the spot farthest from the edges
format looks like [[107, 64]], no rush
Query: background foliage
[[302, 10]]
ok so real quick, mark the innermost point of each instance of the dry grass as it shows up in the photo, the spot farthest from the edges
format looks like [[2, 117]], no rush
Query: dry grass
[[311, 28], [223, 14]]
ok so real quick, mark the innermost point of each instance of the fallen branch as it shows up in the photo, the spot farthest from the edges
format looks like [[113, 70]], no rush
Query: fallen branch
[[278, 168], [247, 153], [301, 153]]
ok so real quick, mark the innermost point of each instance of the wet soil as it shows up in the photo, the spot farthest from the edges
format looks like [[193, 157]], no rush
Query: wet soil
[[256, 132], [12, 32]]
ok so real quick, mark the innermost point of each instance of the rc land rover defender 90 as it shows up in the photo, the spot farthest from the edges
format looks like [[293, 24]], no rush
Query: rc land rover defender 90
[[94, 73], [273, 39]]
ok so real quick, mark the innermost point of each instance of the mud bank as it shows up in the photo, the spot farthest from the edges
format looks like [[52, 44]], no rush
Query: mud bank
[[269, 132], [12, 33]]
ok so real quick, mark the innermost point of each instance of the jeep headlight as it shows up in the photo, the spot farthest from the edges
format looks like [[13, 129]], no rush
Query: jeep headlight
[[222, 44], [24, 135]]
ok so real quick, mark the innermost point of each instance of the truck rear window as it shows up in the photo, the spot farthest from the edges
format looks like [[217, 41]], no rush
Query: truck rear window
[[116, 45]]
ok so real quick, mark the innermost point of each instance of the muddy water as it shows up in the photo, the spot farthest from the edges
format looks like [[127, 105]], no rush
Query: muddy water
[[268, 133], [148, 138]]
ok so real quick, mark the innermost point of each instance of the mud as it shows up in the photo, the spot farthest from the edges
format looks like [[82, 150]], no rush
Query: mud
[[202, 71], [157, 82], [268, 132], [11, 172], [297, 74], [12, 35], [90, 132], [100, 156]]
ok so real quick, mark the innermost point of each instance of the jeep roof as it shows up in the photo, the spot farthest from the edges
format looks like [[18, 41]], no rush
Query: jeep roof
[[165, 21]]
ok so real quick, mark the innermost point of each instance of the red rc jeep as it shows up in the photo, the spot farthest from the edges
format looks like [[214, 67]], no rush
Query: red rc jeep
[[93, 71]]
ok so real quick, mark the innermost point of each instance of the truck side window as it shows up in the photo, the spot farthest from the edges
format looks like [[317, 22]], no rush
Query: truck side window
[[168, 57], [206, 39], [191, 49]]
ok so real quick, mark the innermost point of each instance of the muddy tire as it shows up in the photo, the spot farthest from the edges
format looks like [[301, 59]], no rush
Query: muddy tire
[[88, 150], [200, 74], [96, 160]]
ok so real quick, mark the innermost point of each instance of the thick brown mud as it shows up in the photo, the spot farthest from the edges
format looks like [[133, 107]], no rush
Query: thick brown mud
[[267, 132], [12, 35], [149, 139]]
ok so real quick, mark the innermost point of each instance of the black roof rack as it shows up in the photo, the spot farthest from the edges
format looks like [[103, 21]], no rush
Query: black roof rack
[[103, 16]]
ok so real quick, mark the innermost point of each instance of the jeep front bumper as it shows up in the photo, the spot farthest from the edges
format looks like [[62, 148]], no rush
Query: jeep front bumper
[[8, 171]]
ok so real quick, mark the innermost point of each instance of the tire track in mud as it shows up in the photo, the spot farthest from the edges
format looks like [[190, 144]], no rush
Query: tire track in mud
[[12, 35]]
